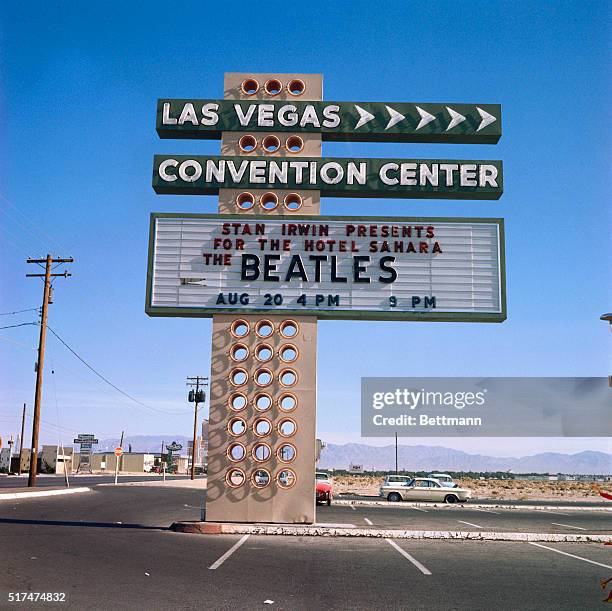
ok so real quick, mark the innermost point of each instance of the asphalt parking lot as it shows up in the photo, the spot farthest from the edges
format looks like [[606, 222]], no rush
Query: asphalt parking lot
[[467, 518], [112, 548], [372, 574]]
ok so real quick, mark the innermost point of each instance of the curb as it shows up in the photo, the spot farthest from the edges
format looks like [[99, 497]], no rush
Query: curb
[[216, 528], [405, 505], [26, 495], [158, 484]]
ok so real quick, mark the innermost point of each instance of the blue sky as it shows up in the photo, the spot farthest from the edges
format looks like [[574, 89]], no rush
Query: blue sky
[[79, 84]]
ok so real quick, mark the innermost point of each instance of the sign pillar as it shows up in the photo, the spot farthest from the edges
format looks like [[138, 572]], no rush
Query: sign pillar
[[86, 442], [263, 381]]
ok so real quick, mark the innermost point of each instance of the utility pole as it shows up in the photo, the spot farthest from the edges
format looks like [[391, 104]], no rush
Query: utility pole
[[21, 438], [196, 397], [65, 468], [10, 445], [162, 462], [118, 458], [396, 471], [49, 261]]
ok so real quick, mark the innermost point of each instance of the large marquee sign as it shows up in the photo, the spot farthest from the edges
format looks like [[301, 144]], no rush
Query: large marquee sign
[[269, 266], [332, 176], [355, 121], [374, 268]]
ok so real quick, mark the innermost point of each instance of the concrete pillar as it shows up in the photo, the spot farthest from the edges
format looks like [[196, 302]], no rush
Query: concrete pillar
[[261, 447]]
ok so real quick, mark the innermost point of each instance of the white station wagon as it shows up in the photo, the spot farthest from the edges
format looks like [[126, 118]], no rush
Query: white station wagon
[[424, 489], [445, 479]]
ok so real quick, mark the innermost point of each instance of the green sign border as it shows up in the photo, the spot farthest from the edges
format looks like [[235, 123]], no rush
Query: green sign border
[[373, 188], [328, 315], [375, 130]]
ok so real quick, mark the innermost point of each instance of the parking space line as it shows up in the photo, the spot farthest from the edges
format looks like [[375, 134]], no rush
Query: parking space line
[[353, 508], [228, 553], [406, 555], [419, 509], [568, 526], [552, 549], [368, 521], [555, 513], [469, 524], [485, 510]]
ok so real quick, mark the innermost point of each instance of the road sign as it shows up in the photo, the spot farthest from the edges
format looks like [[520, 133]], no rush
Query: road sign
[[86, 442], [354, 121], [332, 176], [82, 439], [377, 268], [118, 451]]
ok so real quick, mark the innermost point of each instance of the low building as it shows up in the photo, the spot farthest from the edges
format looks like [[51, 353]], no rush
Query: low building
[[5, 460], [129, 462], [182, 464], [201, 458], [319, 446], [54, 459], [25, 461]]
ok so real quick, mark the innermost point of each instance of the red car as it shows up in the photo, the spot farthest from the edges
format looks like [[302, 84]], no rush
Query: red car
[[323, 490]]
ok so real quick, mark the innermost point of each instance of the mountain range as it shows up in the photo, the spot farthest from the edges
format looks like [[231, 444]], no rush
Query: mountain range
[[430, 458], [413, 458]]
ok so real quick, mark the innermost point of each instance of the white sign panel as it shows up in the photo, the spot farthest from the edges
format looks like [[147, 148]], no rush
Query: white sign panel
[[352, 267]]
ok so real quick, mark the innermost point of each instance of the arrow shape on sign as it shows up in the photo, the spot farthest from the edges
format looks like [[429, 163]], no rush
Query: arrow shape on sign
[[487, 118], [396, 117], [425, 118], [364, 116], [456, 118]]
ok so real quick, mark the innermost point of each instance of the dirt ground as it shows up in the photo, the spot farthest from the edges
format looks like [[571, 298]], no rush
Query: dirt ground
[[487, 489]]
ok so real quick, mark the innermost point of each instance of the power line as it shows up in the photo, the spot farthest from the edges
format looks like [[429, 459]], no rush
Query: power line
[[15, 241], [45, 424], [19, 311], [18, 239], [163, 411], [102, 386], [48, 424], [109, 382], [23, 324], [11, 341], [34, 228]]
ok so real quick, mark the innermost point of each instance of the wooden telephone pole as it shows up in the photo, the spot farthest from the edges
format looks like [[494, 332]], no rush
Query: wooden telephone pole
[[198, 397], [49, 261], [21, 438]]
